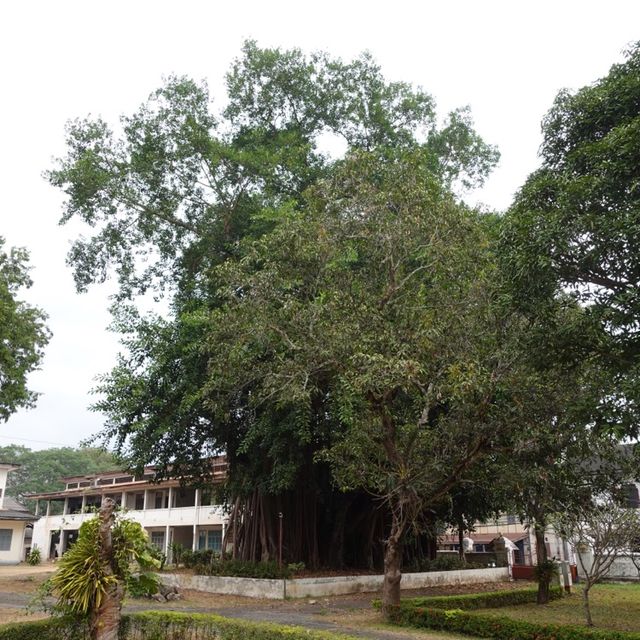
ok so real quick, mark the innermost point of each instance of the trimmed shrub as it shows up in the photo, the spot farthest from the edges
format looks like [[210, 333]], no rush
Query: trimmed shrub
[[168, 625], [242, 569], [498, 628], [443, 563], [48, 629]]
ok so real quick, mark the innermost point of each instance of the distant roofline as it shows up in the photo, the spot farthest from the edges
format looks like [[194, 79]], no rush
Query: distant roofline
[[122, 472]]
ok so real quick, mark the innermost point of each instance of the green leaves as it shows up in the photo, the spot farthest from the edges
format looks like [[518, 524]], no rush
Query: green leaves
[[576, 221], [82, 577], [23, 333]]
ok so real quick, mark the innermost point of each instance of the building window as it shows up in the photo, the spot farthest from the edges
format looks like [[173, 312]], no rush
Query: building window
[[5, 539], [139, 503], [207, 498], [157, 539], [511, 519], [162, 500], [210, 540]]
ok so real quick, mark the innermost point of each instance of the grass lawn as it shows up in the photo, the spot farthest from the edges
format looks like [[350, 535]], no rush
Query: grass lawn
[[613, 606]]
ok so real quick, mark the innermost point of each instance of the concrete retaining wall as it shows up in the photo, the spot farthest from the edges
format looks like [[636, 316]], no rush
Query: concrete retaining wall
[[250, 587], [319, 587], [622, 568]]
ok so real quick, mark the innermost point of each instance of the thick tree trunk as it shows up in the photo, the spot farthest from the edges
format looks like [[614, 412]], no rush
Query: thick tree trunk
[[105, 620], [392, 567], [585, 604], [544, 579]]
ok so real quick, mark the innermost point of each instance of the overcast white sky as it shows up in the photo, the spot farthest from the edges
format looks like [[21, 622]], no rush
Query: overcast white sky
[[65, 59]]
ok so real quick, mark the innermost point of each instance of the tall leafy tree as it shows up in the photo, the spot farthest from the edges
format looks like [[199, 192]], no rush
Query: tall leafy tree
[[177, 199], [574, 224], [23, 333], [573, 229], [372, 320]]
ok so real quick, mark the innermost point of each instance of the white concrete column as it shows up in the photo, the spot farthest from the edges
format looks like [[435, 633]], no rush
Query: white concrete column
[[84, 504], [37, 508], [198, 498], [167, 544], [22, 547], [194, 546], [169, 501], [146, 500], [65, 509], [48, 508], [123, 500], [63, 542]]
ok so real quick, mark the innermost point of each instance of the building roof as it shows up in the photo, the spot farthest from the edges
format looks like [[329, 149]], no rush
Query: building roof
[[96, 486], [13, 510]]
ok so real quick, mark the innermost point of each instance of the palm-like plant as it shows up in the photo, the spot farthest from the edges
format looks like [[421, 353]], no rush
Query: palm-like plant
[[111, 555]]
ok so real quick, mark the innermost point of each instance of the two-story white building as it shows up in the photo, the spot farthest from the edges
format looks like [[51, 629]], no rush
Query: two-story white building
[[170, 512]]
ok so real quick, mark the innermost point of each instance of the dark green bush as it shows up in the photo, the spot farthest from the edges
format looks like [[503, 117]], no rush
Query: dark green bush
[[242, 569], [193, 559], [498, 628], [443, 563], [143, 585]]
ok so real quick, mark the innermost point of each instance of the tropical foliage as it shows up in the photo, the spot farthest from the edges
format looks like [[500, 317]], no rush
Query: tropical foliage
[[23, 333]]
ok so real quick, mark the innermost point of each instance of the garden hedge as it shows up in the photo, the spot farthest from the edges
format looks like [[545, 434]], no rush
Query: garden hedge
[[48, 629], [498, 628], [167, 625]]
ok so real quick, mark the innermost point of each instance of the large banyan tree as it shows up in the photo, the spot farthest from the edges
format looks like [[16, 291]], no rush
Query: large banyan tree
[[335, 324]]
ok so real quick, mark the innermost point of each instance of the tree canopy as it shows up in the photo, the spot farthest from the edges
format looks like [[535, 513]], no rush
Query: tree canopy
[[575, 223], [41, 471], [23, 333], [286, 268], [340, 321]]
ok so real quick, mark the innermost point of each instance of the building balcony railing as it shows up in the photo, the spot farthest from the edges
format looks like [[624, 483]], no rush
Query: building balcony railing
[[175, 516]]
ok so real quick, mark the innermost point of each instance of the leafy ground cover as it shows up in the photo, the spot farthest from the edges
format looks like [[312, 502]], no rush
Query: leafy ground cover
[[613, 606]]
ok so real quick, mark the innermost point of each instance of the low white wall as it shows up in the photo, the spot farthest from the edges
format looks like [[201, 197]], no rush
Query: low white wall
[[622, 568], [464, 576], [334, 586], [250, 587]]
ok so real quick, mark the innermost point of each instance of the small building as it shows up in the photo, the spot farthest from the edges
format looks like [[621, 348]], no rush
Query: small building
[[14, 520], [169, 511]]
